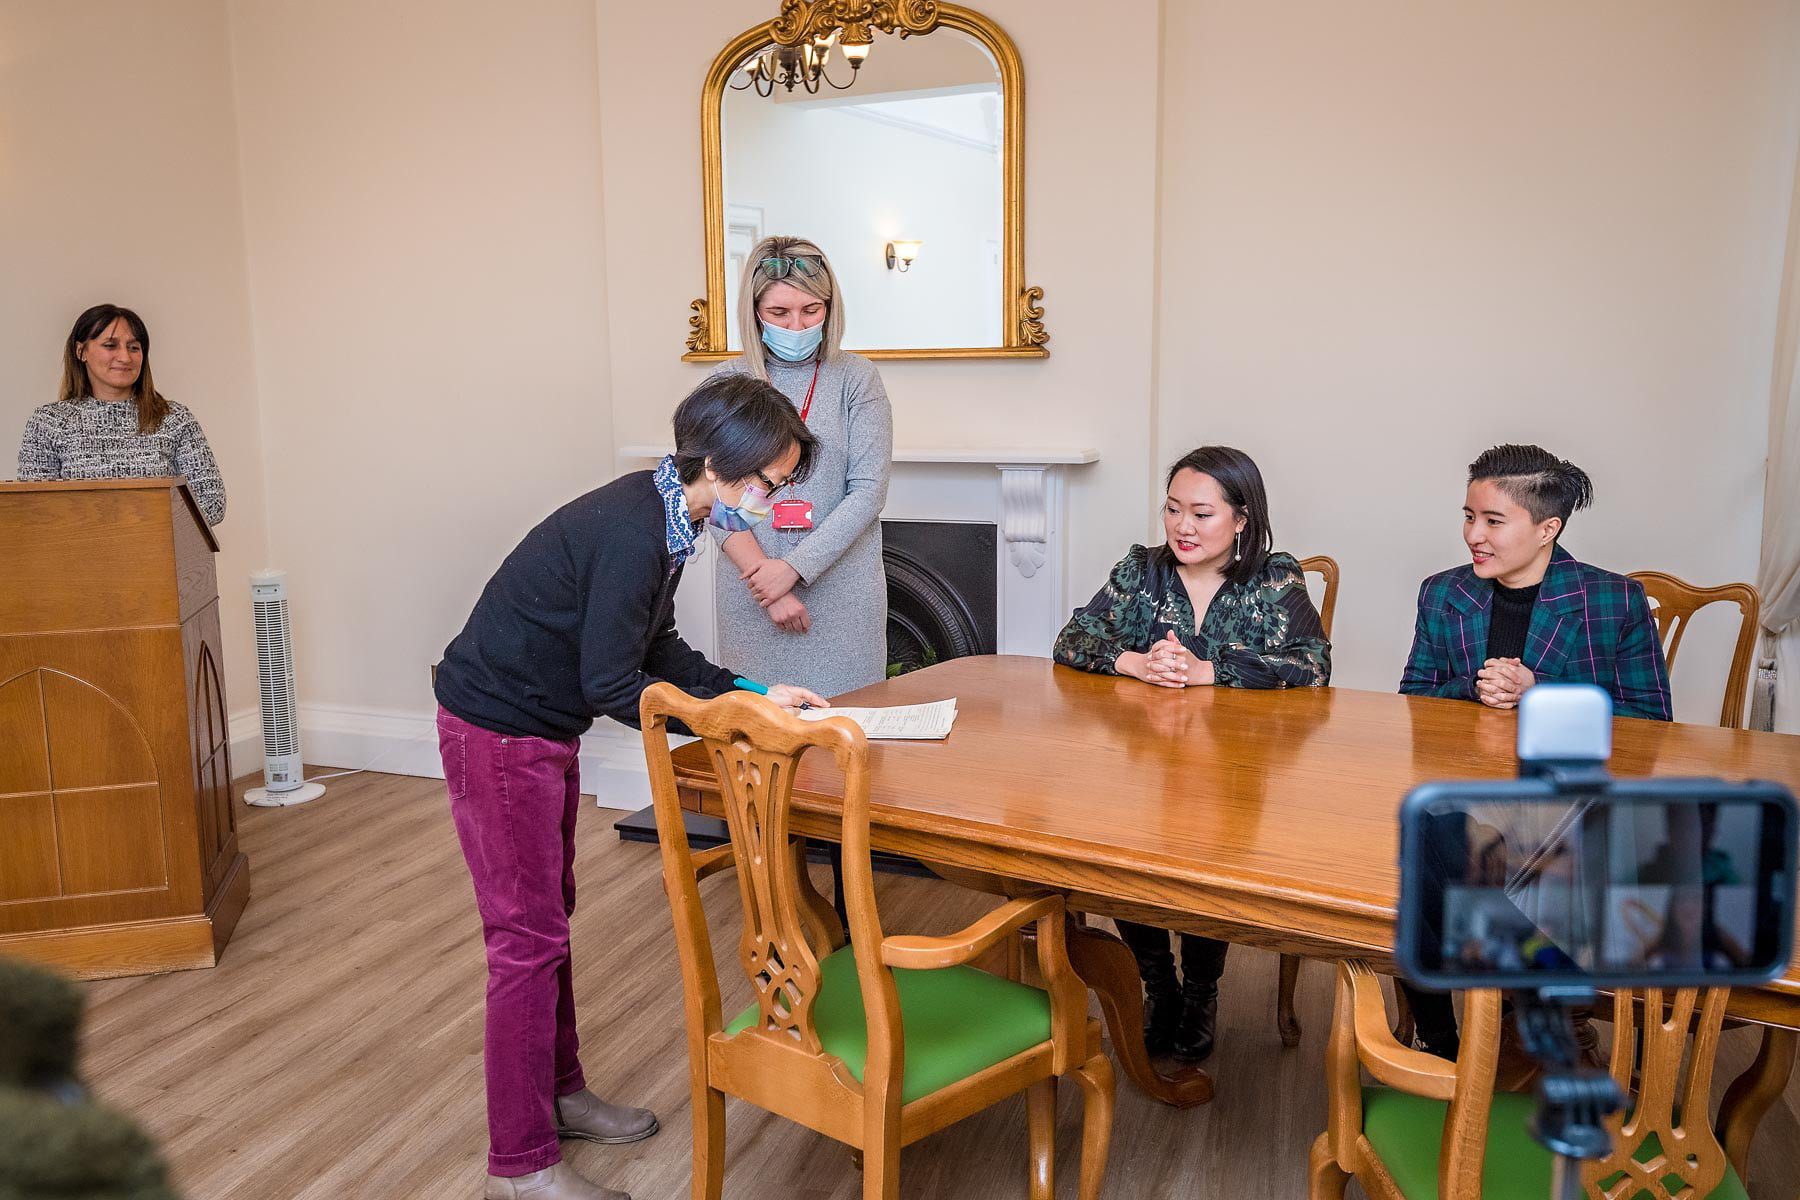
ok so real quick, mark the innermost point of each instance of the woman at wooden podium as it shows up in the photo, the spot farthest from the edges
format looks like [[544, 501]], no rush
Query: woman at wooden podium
[[110, 422]]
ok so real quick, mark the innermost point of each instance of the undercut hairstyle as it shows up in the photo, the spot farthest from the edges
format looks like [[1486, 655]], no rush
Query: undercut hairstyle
[[1543, 485], [1239, 479], [738, 424]]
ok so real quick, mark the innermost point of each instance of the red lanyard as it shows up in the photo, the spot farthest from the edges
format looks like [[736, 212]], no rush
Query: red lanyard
[[807, 407]]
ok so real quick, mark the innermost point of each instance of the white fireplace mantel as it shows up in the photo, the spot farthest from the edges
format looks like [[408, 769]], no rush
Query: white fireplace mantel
[[1021, 492], [648, 452]]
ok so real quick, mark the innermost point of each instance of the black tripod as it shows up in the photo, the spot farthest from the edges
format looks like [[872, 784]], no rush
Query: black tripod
[[1573, 1101]]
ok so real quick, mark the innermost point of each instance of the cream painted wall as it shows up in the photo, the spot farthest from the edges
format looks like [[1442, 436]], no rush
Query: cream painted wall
[[422, 190], [1395, 234], [119, 184], [1089, 231], [471, 241]]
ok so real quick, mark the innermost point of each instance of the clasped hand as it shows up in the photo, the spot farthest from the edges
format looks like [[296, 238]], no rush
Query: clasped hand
[[1168, 663], [770, 580], [1501, 681], [771, 583], [789, 614]]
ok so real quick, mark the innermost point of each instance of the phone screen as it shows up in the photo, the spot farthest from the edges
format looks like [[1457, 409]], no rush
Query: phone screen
[[1680, 882]]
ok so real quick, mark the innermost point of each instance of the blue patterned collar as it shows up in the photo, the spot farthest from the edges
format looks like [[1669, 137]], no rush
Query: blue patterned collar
[[679, 528]]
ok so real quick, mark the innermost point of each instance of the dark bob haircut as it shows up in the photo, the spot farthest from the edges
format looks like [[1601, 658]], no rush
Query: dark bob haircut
[[1237, 476], [1543, 485], [738, 424]]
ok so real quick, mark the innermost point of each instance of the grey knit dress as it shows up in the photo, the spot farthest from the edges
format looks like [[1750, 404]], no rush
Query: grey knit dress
[[842, 581]]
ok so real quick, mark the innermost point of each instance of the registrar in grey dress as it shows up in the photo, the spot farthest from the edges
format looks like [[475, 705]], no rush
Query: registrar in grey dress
[[842, 582]]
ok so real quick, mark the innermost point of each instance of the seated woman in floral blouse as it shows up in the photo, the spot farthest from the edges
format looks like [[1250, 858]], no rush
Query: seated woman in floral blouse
[[1257, 628]]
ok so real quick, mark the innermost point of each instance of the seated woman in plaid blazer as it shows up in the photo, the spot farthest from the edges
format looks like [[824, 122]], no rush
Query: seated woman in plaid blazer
[[1524, 611]]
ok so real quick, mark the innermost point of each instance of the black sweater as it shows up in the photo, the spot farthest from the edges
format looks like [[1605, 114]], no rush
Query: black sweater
[[1510, 620], [576, 623]]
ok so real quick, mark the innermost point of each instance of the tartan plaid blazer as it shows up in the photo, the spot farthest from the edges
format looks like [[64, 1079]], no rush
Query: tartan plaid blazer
[[1588, 626]]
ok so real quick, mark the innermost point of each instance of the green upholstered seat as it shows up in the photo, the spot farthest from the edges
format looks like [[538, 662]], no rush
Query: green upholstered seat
[[955, 1021], [1407, 1130]]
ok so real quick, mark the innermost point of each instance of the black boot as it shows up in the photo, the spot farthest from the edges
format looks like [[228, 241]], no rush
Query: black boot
[[1446, 1045], [1162, 1007], [1199, 1022], [1162, 993], [1434, 1021]]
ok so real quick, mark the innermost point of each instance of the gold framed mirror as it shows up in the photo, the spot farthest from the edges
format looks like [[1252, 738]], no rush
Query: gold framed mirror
[[902, 155]]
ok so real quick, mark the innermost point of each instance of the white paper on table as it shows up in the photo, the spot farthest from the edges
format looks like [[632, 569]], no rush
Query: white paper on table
[[911, 722]]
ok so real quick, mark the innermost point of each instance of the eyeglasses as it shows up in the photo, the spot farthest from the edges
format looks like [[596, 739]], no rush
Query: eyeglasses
[[781, 266], [769, 484]]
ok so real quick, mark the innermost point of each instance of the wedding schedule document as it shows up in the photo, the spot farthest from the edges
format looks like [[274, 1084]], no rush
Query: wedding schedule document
[[908, 722]]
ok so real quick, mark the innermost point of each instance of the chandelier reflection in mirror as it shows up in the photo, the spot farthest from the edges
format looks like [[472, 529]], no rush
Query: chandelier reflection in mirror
[[804, 66]]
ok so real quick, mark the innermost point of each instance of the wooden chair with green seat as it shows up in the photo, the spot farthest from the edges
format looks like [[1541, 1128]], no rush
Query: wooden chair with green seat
[[1427, 1129], [1286, 1023], [877, 1043], [1673, 605]]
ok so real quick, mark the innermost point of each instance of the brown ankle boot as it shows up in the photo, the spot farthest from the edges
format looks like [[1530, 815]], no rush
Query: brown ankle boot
[[585, 1115], [560, 1182]]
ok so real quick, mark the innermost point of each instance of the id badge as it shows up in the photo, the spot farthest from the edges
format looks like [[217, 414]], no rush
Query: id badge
[[792, 515]]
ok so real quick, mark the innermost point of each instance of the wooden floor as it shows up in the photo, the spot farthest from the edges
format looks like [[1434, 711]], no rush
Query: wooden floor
[[336, 1052]]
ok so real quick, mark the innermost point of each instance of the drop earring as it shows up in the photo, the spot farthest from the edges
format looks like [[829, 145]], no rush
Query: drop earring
[[1238, 543]]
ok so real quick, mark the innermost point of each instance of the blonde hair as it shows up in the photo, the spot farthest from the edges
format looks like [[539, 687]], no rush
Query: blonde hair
[[821, 285]]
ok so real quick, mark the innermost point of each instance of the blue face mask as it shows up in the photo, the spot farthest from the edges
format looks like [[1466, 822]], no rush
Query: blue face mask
[[793, 345]]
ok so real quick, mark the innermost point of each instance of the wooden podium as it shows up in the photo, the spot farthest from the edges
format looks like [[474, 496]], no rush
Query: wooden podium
[[118, 840]]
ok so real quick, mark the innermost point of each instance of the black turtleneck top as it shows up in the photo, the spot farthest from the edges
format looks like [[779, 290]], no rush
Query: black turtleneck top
[[1510, 619]]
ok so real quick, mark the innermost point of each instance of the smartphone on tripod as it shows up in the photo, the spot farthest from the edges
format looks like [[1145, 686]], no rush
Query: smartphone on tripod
[[1566, 880]]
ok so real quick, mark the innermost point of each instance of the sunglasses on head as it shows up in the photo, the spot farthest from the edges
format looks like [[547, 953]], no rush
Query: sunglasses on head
[[781, 266]]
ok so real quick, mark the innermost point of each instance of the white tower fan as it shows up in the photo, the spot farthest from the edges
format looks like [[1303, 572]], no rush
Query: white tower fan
[[283, 775]]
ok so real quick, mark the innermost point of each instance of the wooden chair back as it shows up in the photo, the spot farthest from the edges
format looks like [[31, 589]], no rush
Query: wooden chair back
[[1673, 604], [1287, 1021], [1651, 1042], [755, 751], [1325, 566], [778, 1061], [1654, 1033]]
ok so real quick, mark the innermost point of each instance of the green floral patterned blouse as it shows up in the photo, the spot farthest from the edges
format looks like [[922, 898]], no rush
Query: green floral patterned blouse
[[1261, 634]]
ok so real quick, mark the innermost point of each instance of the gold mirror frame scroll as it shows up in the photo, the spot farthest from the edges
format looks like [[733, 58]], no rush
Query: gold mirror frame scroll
[[802, 19]]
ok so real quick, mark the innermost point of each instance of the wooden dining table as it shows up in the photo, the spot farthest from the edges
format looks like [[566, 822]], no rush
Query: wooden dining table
[[1268, 818]]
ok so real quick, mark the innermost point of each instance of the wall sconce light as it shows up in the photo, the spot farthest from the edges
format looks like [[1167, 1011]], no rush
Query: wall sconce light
[[900, 254]]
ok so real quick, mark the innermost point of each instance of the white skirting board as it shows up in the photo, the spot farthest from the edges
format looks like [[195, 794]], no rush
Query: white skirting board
[[346, 739]]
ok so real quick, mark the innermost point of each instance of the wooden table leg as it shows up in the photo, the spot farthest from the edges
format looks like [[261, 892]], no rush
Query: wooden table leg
[[1753, 1093], [1106, 965]]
